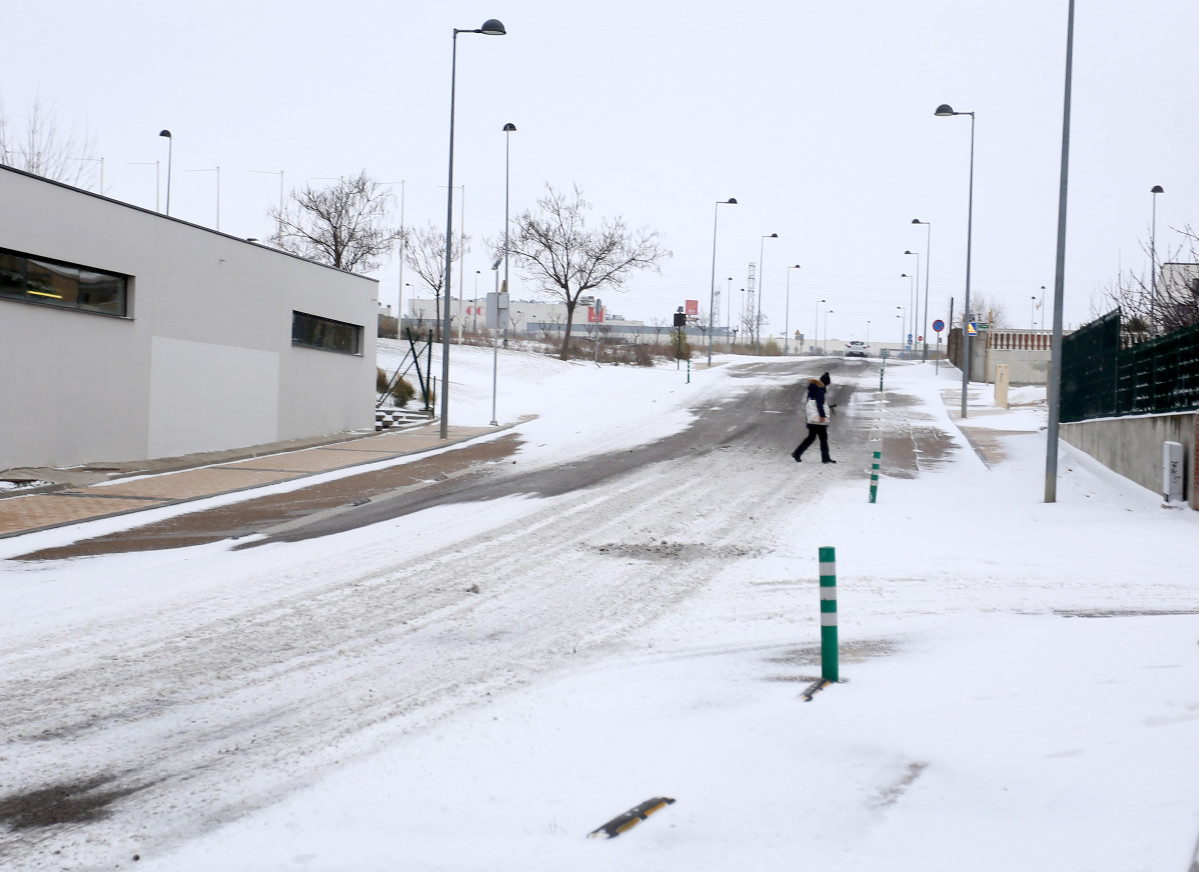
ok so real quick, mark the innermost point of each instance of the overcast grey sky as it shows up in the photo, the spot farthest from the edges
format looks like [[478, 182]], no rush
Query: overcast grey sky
[[817, 117]]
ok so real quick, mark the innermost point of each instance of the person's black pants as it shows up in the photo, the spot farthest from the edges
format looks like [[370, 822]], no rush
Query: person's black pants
[[815, 431]]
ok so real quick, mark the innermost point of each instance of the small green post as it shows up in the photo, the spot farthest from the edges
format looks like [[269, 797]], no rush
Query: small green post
[[828, 615], [882, 372], [874, 477], [688, 370]]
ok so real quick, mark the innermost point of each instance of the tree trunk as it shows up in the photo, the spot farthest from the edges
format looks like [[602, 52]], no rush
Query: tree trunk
[[570, 317]]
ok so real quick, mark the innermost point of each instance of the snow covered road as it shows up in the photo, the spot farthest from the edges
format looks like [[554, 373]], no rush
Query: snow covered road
[[208, 681]]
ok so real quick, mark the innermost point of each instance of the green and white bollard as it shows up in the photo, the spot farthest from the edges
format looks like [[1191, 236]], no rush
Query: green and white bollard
[[828, 615], [874, 477], [882, 372]]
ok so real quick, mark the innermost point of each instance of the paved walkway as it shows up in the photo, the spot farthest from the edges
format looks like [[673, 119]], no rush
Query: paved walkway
[[70, 499]]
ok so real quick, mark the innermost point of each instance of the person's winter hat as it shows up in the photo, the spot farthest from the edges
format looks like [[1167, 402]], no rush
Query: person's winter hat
[[825, 378]]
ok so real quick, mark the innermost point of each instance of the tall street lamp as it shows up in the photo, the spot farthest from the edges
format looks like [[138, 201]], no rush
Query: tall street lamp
[[928, 265], [761, 281], [1059, 279], [1155, 190], [946, 111], [911, 285], [731, 201], [508, 130], [728, 308], [915, 294], [787, 315], [491, 27], [170, 160], [816, 329]]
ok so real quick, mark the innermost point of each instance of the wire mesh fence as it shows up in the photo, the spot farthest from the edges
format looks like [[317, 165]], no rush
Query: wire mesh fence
[[1108, 372]]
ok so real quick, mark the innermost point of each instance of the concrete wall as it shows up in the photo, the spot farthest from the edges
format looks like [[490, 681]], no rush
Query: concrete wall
[[1027, 354], [1132, 446], [204, 360]]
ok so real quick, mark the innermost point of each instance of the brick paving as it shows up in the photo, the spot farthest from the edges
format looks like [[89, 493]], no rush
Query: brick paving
[[27, 513]]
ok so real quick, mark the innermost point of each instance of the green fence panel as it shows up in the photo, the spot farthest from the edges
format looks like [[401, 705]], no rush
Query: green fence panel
[[1101, 379]]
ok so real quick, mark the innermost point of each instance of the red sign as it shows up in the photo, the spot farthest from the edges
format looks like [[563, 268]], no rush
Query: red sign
[[692, 307], [595, 316]]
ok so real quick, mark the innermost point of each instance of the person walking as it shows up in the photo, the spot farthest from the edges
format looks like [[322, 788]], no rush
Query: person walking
[[818, 417]]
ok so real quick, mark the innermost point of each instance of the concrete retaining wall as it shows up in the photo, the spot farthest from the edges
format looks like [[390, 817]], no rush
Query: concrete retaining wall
[[1132, 446]]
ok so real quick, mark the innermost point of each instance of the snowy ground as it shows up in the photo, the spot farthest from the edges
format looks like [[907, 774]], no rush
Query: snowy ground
[[1020, 679]]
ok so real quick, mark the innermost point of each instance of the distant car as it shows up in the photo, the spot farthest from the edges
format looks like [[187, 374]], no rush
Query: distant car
[[856, 348]]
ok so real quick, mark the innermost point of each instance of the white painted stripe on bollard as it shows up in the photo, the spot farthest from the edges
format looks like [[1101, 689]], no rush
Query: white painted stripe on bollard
[[828, 619], [828, 593], [828, 569]]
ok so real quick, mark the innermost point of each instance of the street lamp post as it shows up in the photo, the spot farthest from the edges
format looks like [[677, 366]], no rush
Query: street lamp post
[[911, 285], [816, 329], [728, 308], [827, 312], [508, 130], [946, 111], [761, 281], [1155, 190], [787, 316], [491, 27], [915, 297], [1059, 279], [731, 201], [170, 160], [928, 264]]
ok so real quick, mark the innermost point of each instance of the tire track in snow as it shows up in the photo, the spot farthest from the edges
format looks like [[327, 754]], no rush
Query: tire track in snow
[[213, 712]]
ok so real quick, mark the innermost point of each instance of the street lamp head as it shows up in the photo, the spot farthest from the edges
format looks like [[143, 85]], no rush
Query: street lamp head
[[165, 133], [797, 266], [771, 236], [944, 111], [918, 221], [731, 201], [509, 128], [909, 252], [492, 27], [1157, 189]]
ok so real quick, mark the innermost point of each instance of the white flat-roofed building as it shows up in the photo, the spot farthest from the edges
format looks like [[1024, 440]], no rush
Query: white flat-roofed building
[[128, 335]]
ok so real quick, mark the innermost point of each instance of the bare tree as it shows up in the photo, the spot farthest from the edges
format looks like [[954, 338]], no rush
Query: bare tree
[[982, 308], [42, 148], [1176, 301], [554, 249], [342, 225], [424, 251]]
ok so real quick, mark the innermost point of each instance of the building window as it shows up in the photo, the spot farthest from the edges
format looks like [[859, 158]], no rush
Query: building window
[[312, 331], [54, 283]]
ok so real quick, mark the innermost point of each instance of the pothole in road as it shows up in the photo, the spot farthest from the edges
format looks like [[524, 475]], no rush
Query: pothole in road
[[78, 802], [667, 550]]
